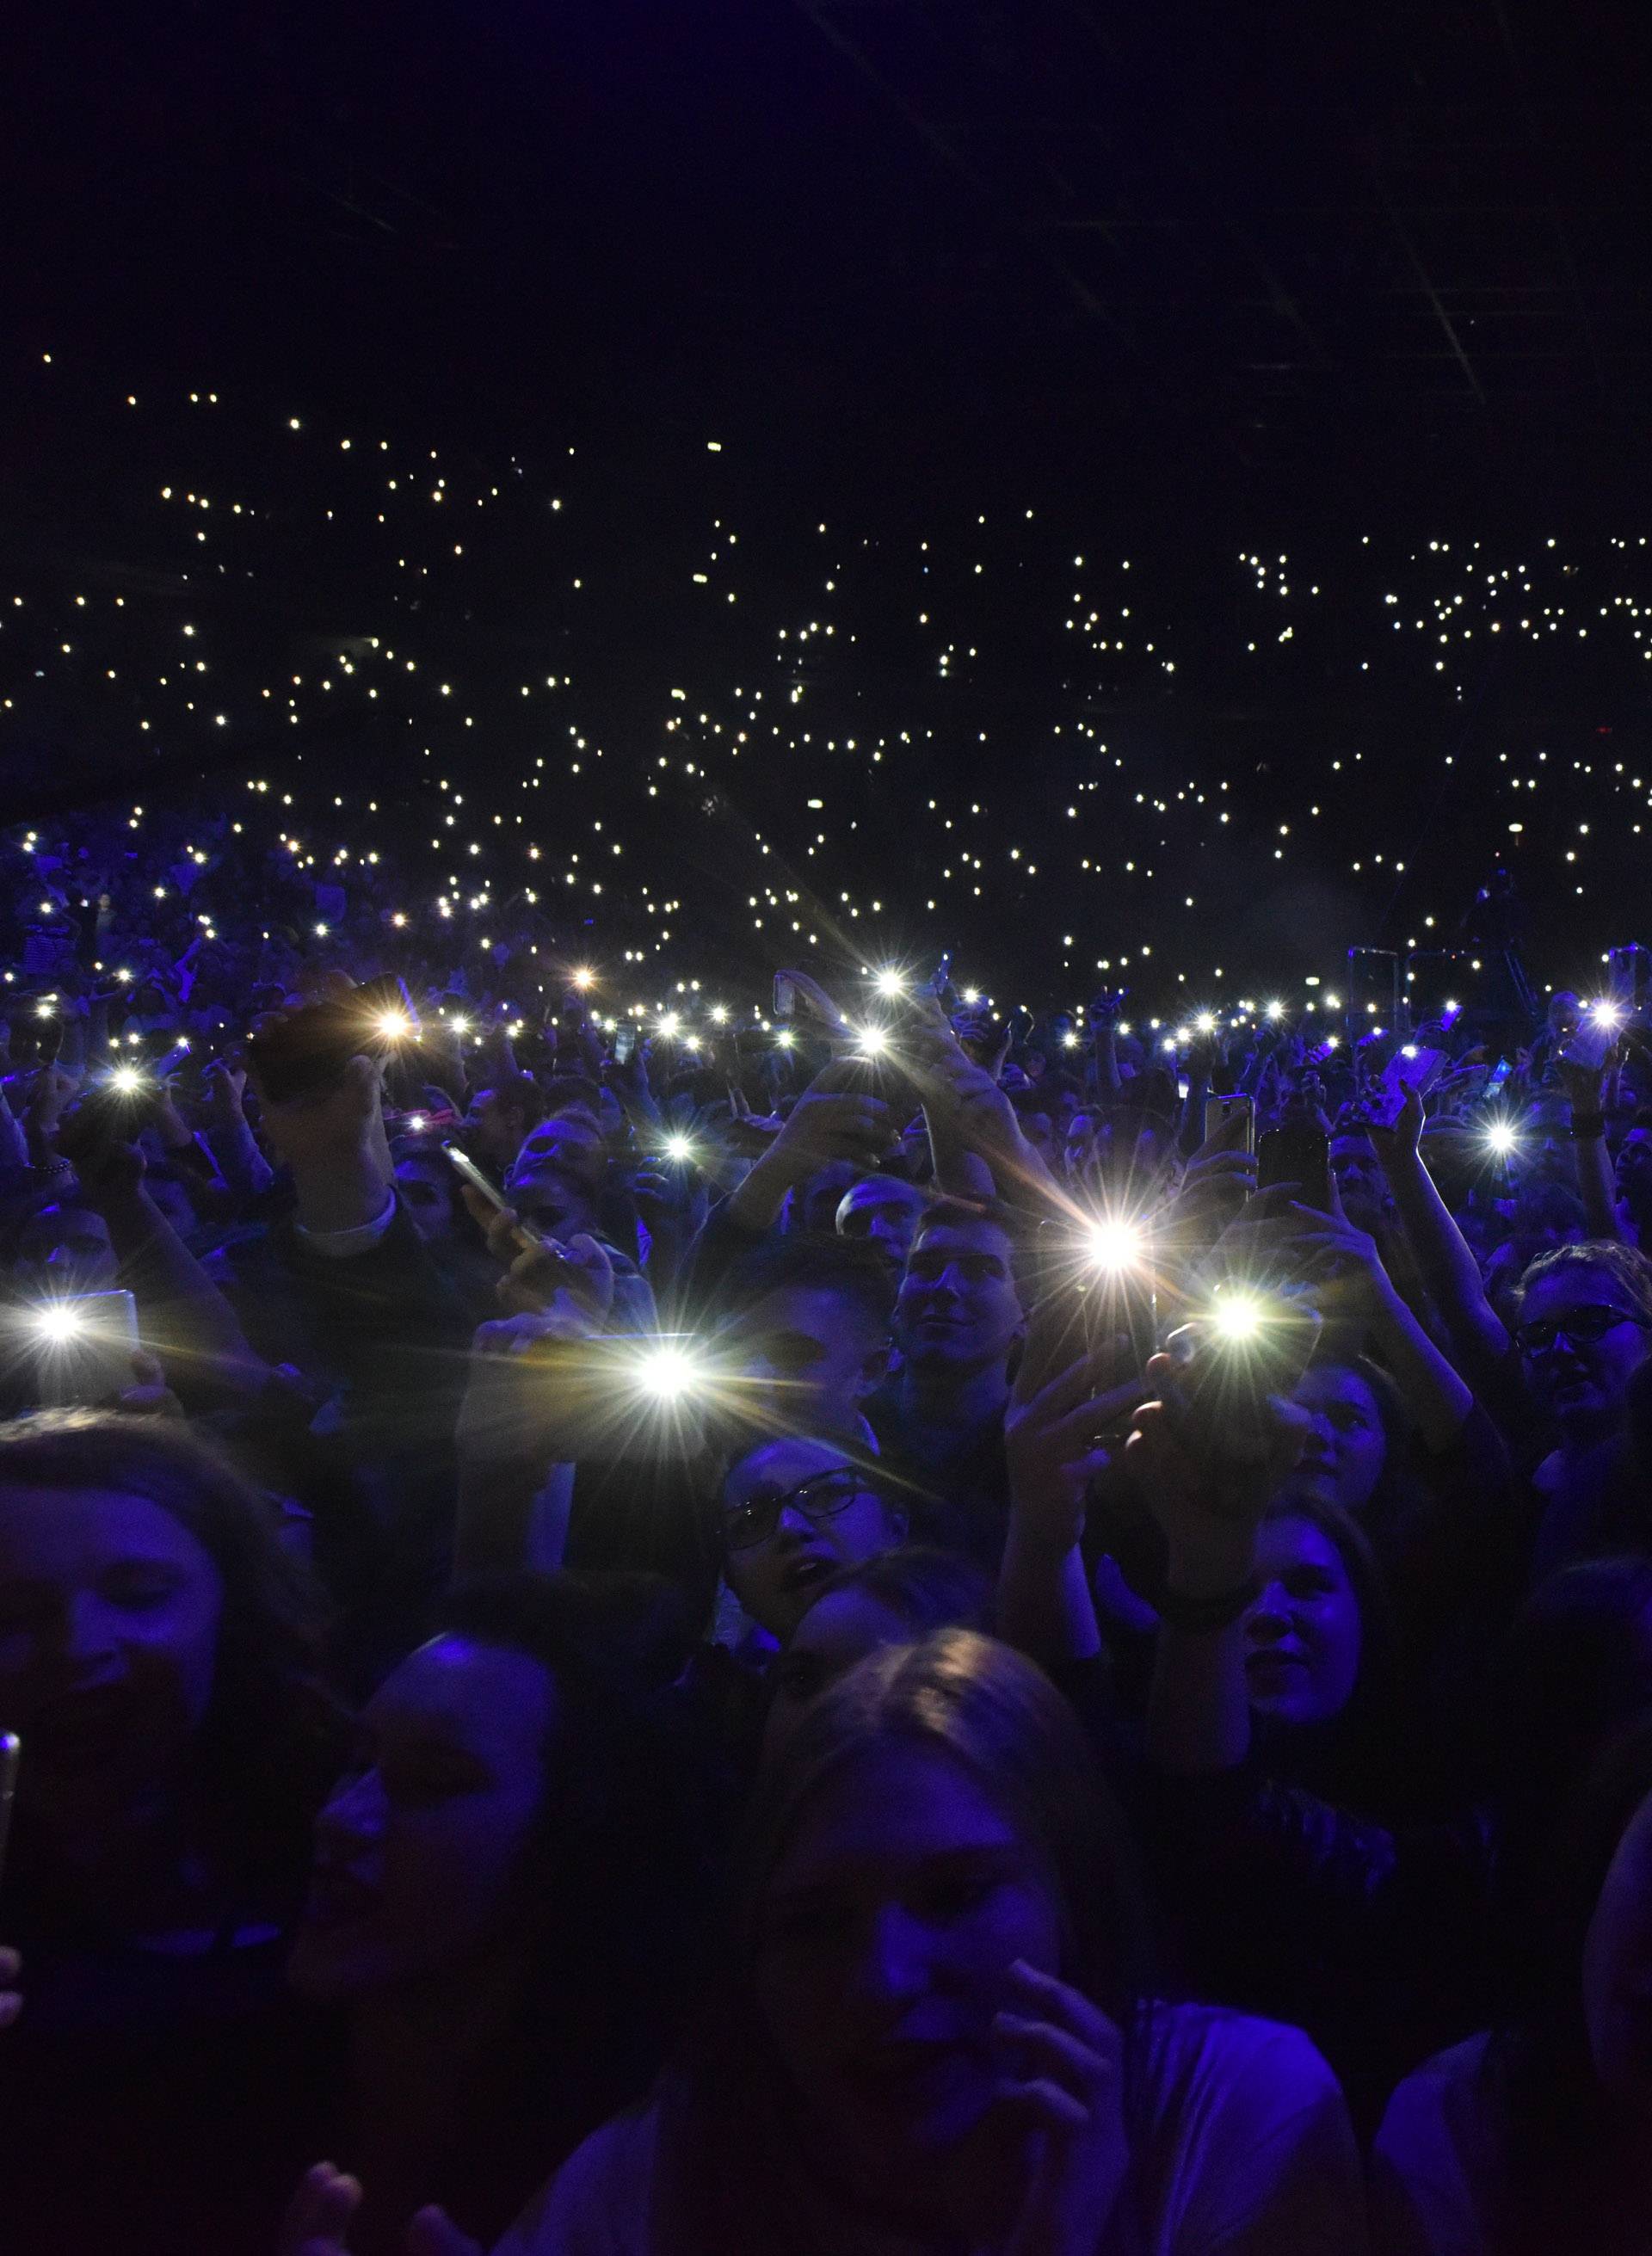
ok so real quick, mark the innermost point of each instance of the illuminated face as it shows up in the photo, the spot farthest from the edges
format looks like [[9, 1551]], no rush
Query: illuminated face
[[1302, 1635], [884, 1211], [556, 1175], [108, 1639], [776, 1578], [959, 1309], [420, 1848], [887, 1934], [1579, 1379], [1344, 1448]]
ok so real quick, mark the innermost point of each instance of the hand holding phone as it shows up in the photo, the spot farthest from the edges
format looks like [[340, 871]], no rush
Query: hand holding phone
[[1299, 1154], [79, 1346]]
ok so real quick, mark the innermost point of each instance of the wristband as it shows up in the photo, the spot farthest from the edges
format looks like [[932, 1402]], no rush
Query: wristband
[[1585, 1127], [1201, 1616]]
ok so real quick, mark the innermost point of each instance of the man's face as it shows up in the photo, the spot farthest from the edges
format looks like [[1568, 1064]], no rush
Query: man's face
[[959, 1309], [815, 1515], [558, 1170], [810, 1356], [1360, 1182], [492, 1127], [426, 1194], [884, 1212]]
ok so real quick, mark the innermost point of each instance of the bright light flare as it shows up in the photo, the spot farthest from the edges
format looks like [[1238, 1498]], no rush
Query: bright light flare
[[1501, 1139], [891, 982], [679, 1148], [128, 1079], [1275, 1010], [393, 1024], [61, 1321], [1237, 1320], [873, 1041], [1606, 1014], [1206, 1022], [1114, 1245], [584, 977], [460, 1025], [669, 1373], [786, 1038]]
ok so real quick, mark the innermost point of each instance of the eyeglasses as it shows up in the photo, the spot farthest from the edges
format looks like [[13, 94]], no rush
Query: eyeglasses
[[822, 1497], [1579, 1326]]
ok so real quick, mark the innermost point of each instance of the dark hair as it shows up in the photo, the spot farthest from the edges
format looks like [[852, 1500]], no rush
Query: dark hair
[[813, 1261], [974, 1702], [1558, 2188], [564, 1090], [270, 1736]]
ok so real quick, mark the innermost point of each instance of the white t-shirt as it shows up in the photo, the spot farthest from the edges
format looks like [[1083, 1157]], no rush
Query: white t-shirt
[[1248, 2153], [1437, 2163]]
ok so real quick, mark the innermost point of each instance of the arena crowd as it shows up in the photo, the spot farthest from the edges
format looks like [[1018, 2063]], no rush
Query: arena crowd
[[889, 1627]]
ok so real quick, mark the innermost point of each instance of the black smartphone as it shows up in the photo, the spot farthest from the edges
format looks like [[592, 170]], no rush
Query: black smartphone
[[302, 1055], [1299, 1154]]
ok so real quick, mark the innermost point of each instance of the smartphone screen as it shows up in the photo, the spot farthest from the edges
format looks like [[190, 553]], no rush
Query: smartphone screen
[[1298, 1154], [785, 996]]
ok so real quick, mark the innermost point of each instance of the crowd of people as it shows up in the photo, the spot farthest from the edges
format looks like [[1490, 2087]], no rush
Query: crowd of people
[[885, 1627]]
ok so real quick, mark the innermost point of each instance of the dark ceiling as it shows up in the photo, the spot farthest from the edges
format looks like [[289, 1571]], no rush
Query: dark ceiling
[[1184, 246]]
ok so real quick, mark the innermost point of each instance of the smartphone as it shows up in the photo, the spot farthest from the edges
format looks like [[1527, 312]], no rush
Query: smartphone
[[467, 1171], [10, 1755], [1251, 1347], [1500, 1072], [785, 996], [1219, 1111], [624, 1044], [81, 1347], [1592, 1044], [302, 1055], [1299, 1154], [1108, 1275], [173, 1059]]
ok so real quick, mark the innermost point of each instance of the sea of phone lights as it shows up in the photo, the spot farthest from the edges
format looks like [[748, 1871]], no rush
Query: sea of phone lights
[[801, 769]]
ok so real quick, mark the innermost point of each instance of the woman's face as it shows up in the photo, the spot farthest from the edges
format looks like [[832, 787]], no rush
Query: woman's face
[[777, 1578], [1302, 1635], [1617, 1970], [420, 1848], [839, 1629], [109, 1636], [1344, 1447], [887, 1934]]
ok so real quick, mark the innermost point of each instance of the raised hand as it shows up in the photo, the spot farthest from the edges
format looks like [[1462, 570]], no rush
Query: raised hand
[[320, 2214], [1053, 1440], [1062, 2076]]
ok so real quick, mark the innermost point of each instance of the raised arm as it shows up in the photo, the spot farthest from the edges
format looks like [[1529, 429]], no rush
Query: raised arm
[[1445, 1261]]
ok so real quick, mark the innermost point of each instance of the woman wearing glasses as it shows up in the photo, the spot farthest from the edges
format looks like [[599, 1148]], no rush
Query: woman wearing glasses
[[1585, 1330]]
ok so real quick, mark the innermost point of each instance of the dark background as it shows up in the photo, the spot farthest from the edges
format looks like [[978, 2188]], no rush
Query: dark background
[[1189, 283]]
